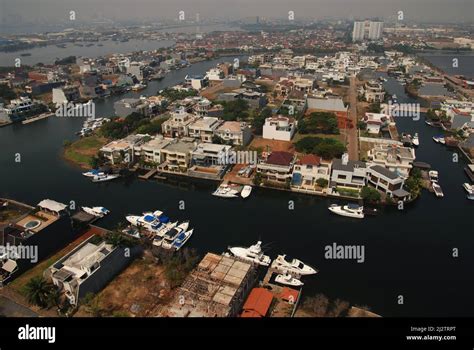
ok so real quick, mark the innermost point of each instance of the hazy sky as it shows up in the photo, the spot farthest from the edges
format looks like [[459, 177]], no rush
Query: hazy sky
[[57, 10]]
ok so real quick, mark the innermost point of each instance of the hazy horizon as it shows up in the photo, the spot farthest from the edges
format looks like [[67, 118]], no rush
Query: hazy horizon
[[17, 12]]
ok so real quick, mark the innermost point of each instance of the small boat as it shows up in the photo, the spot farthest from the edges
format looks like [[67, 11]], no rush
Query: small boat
[[246, 191], [138, 87], [182, 239], [470, 196], [437, 189], [168, 239], [349, 210], [132, 231], [225, 192], [415, 140], [394, 98], [99, 212], [3, 204], [253, 254], [294, 266], [103, 178], [429, 123], [288, 279], [93, 172], [439, 139], [469, 188], [433, 175]]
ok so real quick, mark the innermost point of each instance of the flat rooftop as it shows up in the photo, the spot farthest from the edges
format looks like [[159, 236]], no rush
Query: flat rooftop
[[35, 222]]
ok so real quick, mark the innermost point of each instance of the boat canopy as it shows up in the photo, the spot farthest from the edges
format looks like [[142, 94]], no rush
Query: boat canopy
[[353, 206], [164, 219], [149, 218]]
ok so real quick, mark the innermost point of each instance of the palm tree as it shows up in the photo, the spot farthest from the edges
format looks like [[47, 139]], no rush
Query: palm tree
[[37, 291]]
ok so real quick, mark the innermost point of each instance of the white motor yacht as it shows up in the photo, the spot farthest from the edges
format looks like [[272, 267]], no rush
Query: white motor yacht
[[433, 175], [416, 140], [293, 266], [437, 189], [181, 240], [93, 173], [349, 210], [289, 280], [225, 192], [167, 240], [469, 188], [149, 220], [253, 254], [246, 191], [99, 212], [103, 178]]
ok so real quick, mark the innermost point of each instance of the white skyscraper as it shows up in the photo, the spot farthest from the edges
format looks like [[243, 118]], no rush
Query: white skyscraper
[[371, 30], [358, 32], [375, 30]]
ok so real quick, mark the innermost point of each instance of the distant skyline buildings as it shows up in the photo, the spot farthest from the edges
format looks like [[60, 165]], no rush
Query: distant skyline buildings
[[367, 30]]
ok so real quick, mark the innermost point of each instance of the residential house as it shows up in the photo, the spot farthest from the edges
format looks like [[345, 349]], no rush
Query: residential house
[[125, 150], [348, 173], [278, 167], [279, 128], [235, 133], [395, 158], [308, 169], [176, 156], [178, 124], [387, 181], [203, 128], [374, 92]]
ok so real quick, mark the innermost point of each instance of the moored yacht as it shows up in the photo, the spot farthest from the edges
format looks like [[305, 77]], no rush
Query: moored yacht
[[99, 212], [93, 173], [349, 210], [149, 220], [469, 188], [225, 191], [181, 240], [253, 253], [416, 140], [289, 280], [433, 175], [294, 266], [437, 189], [246, 191], [103, 178], [167, 240]]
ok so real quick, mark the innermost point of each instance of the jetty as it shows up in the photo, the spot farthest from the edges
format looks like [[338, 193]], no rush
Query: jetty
[[148, 175]]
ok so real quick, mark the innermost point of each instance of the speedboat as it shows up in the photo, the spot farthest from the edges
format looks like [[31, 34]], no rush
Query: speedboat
[[437, 189], [132, 231], [182, 239], [93, 173], [164, 228], [149, 220], [349, 210], [288, 279], [415, 140], [225, 192], [246, 191], [99, 212], [103, 178], [295, 266], [167, 240], [469, 188], [253, 254], [439, 139], [433, 175], [470, 196]]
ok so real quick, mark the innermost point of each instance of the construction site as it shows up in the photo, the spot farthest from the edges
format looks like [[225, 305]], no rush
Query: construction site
[[217, 287]]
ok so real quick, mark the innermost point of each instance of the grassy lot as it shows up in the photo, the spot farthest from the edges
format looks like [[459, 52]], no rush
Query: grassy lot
[[83, 150], [299, 136]]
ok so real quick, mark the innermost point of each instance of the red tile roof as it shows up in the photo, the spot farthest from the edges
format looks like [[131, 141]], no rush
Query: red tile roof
[[280, 158], [289, 294], [258, 303], [309, 159]]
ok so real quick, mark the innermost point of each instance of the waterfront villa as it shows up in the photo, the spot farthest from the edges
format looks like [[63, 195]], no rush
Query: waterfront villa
[[151, 150], [277, 167], [206, 161], [374, 92], [279, 128], [387, 181], [178, 124], [235, 133], [375, 121], [395, 158], [176, 156], [46, 229], [124, 150], [203, 128], [307, 170], [88, 268], [348, 173]]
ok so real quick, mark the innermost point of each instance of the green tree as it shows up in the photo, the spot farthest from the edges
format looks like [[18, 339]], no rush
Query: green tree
[[37, 291], [322, 182], [370, 194]]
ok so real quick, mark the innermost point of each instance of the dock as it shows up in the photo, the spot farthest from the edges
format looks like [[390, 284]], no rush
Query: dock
[[39, 117], [148, 175]]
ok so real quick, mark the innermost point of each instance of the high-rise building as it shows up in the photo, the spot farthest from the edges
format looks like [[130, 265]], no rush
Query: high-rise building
[[375, 30], [358, 32], [371, 30]]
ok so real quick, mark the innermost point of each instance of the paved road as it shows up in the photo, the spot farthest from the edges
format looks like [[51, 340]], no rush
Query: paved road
[[10, 308], [353, 144]]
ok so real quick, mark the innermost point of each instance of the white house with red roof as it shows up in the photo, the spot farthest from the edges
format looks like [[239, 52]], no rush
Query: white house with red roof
[[308, 169], [277, 167]]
